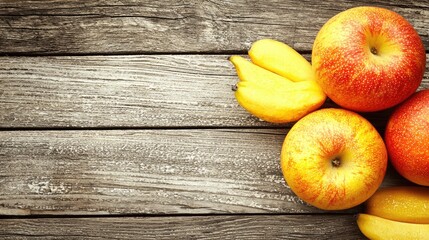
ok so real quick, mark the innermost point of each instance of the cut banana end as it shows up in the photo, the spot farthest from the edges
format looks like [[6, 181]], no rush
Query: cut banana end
[[282, 59], [274, 98], [374, 227]]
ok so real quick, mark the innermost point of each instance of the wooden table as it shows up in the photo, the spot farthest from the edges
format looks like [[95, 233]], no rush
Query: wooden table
[[118, 121]]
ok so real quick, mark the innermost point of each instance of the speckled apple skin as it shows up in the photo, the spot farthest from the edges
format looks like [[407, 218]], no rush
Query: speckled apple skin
[[319, 137], [354, 77], [407, 138]]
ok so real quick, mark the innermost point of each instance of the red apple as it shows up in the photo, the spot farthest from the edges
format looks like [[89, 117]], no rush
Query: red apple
[[407, 138], [333, 159], [368, 59]]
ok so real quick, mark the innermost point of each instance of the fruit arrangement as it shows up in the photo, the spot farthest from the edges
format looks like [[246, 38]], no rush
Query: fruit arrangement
[[364, 59]]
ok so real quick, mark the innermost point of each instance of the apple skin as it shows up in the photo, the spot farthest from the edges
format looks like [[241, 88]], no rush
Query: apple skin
[[368, 59], [333, 159], [407, 138]]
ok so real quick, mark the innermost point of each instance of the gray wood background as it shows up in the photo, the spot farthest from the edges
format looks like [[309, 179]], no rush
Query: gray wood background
[[117, 120]]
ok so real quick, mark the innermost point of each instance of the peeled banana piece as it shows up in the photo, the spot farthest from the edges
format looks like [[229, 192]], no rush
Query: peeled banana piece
[[400, 203], [274, 98], [282, 59], [374, 227]]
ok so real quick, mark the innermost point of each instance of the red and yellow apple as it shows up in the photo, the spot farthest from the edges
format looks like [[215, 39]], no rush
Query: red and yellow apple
[[368, 59], [407, 138], [333, 159]]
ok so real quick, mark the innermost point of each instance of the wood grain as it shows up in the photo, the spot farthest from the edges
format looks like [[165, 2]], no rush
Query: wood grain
[[147, 172], [124, 91], [125, 126], [129, 26], [185, 227]]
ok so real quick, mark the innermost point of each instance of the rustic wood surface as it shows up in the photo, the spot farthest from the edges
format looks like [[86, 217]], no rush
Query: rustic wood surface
[[185, 227], [129, 26], [117, 121]]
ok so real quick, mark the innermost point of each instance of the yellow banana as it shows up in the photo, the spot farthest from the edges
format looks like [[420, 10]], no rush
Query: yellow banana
[[400, 203], [374, 227], [280, 58], [272, 97]]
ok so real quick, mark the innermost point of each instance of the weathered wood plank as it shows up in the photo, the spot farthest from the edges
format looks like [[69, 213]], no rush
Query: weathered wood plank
[[97, 91], [187, 227], [146, 171], [129, 26], [123, 91]]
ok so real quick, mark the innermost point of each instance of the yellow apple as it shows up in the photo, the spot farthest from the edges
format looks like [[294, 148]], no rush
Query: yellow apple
[[333, 159], [368, 59]]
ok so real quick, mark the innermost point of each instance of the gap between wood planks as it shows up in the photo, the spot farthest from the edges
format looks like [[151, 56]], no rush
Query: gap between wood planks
[[143, 215], [49, 54], [114, 128]]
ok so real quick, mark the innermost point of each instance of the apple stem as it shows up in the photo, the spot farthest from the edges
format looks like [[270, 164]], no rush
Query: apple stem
[[374, 51], [336, 162], [234, 87]]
